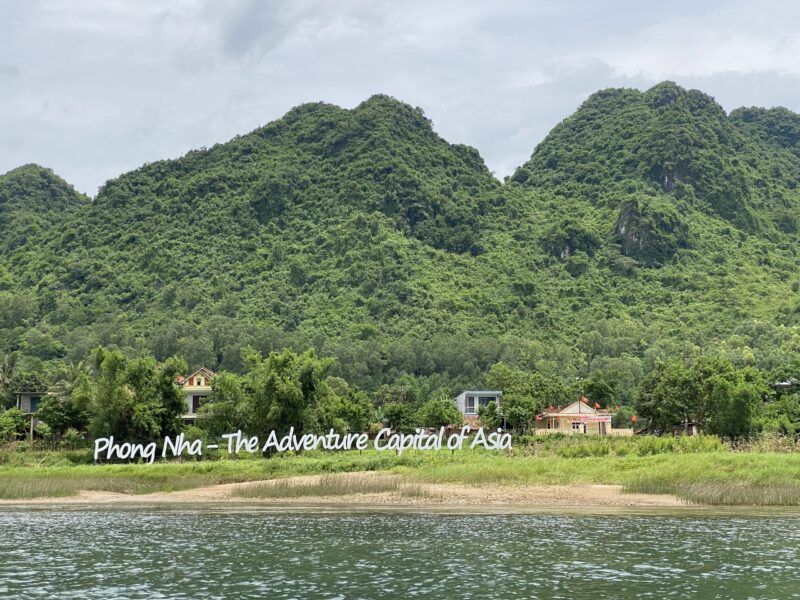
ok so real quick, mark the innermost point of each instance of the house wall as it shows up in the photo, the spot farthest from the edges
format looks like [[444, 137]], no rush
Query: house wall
[[193, 391], [196, 384], [24, 401], [203, 381], [564, 426], [461, 399]]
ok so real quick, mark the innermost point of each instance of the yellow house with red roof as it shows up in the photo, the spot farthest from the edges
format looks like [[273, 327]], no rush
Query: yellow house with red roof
[[577, 418], [197, 387]]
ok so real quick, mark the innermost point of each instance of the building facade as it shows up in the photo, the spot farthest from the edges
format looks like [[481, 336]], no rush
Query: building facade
[[196, 387], [469, 403], [577, 418], [28, 402]]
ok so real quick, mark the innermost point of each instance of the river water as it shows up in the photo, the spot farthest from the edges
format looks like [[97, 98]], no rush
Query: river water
[[202, 553]]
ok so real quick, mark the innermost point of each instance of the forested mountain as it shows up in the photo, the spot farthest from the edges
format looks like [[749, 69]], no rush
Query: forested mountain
[[646, 225]]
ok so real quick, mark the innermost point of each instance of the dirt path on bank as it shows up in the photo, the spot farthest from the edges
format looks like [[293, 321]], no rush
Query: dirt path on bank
[[407, 493]]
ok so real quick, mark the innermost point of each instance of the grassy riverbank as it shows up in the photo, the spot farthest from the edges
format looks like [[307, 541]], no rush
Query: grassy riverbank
[[702, 470]]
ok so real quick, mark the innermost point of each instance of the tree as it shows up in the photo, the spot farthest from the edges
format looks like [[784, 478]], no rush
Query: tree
[[524, 394], [714, 394], [399, 417], [56, 414], [289, 390], [439, 412], [489, 415], [352, 405], [782, 415], [387, 394], [8, 368], [668, 397], [115, 410], [13, 425], [67, 403], [603, 387], [69, 379], [734, 398], [136, 400], [225, 410], [357, 410], [168, 395]]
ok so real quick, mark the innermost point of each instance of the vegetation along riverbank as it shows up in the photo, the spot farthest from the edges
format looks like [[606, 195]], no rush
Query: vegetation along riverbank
[[699, 470]]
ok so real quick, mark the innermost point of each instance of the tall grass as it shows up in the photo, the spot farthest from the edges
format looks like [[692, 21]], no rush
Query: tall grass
[[332, 485], [582, 446], [698, 469], [34, 480], [722, 493]]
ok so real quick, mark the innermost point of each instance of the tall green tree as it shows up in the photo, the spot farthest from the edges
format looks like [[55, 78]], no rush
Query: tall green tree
[[668, 397], [712, 393], [135, 400], [289, 390], [68, 402], [525, 394], [225, 410], [399, 417], [439, 411], [8, 368]]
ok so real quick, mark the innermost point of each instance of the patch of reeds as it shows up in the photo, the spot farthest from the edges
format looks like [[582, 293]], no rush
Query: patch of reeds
[[21, 489], [584, 446], [722, 492], [340, 484]]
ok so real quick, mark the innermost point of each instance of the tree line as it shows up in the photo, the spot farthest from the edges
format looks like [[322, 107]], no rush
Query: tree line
[[139, 398]]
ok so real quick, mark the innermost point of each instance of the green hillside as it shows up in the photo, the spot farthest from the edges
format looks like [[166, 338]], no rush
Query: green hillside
[[647, 225]]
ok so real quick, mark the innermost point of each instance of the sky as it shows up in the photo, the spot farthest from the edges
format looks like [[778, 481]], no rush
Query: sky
[[94, 88]]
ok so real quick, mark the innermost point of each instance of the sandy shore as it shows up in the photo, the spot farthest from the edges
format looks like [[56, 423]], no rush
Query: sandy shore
[[441, 496]]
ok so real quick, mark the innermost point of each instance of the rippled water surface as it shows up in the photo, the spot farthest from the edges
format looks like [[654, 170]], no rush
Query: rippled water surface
[[205, 554]]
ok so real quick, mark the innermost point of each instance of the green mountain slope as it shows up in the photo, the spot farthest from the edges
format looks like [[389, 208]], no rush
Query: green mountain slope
[[32, 201], [644, 225], [667, 140]]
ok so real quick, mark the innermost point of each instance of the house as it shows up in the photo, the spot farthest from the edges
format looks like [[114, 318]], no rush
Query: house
[[28, 403], [468, 402], [196, 386], [577, 418]]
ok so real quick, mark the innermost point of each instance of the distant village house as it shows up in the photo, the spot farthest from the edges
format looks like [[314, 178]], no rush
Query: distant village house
[[28, 403], [470, 401], [196, 387], [577, 418]]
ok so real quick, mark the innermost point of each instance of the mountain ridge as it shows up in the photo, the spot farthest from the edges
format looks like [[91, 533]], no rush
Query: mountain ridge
[[652, 217]]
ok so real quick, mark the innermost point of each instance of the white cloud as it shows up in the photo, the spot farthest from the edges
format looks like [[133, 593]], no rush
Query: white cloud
[[92, 88], [705, 48]]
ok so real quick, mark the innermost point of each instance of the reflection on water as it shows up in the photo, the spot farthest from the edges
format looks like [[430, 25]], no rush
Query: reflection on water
[[205, 554]]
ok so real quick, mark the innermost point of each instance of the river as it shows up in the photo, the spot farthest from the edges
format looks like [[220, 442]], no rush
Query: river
[[240, 553]]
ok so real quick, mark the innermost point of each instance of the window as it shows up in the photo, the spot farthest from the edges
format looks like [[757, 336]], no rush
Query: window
[[470, 405], [35, 400], [577, 427], [484, 400]]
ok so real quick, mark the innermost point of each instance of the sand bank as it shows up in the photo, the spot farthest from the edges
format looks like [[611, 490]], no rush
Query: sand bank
[[424, 494]]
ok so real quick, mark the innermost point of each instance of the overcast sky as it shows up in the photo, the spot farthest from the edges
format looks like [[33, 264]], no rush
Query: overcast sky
[[95, 88]]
